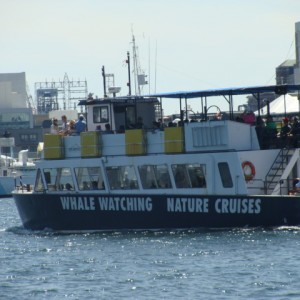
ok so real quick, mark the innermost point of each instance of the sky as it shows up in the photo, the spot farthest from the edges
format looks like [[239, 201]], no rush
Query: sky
[[182, 45]]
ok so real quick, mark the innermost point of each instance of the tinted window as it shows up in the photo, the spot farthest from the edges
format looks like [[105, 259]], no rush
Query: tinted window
[[225, 175]]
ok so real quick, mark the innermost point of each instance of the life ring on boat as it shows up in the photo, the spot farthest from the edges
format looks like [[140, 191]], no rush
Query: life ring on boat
[[249, 170]]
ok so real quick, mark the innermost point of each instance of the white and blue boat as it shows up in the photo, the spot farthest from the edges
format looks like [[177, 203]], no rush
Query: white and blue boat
[[204, 174]]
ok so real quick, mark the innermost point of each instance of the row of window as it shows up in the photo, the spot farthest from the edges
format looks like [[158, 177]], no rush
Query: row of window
[[124, 177], [28, 137]]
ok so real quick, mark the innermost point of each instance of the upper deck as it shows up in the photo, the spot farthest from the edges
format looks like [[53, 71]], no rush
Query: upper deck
[[192, 137], [131, 127]]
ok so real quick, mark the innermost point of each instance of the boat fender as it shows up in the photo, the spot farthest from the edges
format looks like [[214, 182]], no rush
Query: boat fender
[[249, 170]]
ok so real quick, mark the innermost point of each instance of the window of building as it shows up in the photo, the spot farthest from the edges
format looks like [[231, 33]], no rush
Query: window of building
[[24, 137]]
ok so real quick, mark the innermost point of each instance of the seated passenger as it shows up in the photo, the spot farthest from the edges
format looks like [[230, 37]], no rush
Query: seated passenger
[[139, 124], [107, 129], [180, 180], [68, 187], [156, 126], [121, 129], [85, 186], [71, 128], [94, 185]]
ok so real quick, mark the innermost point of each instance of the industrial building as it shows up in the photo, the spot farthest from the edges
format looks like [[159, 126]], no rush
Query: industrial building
[[289, 71]]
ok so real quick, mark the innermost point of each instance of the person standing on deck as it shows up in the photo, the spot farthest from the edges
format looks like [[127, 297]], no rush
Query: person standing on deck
[[80, 125], [54, 126], [64, 125]]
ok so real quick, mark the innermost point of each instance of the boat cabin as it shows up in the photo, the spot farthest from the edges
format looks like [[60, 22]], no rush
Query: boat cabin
[[120, 113]]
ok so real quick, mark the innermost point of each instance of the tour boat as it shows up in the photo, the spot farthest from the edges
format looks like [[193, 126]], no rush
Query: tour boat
[[203, 173]]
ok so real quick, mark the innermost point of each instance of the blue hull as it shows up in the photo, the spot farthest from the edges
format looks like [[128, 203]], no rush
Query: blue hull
[[67, 212]]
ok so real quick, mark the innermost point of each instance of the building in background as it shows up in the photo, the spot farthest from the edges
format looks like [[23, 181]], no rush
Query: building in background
[[289, 71], [13, 92], [16, 113]]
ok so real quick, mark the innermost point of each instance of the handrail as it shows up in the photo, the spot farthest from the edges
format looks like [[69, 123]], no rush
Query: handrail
[[284, 157]]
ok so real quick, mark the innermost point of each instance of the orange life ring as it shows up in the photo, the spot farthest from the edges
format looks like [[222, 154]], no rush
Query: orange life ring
[[249, 170]]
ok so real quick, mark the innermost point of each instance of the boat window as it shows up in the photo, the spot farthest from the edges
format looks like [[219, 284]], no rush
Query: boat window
[[155, 176], [89, 178], [59, 179], [197, 175], [181, 176], [122, 177], [225, 174], [39, 186], [189, 175], [100, 114], [130, 117]]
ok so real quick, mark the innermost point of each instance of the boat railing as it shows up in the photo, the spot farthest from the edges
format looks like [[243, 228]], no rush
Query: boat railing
[[190, 138]]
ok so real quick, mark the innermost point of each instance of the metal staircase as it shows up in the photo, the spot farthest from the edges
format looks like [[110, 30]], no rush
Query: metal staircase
[[276, 182]]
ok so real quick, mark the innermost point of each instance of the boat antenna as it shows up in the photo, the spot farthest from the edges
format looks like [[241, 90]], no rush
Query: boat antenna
[[129, 80], [139, 76], [104, 83]]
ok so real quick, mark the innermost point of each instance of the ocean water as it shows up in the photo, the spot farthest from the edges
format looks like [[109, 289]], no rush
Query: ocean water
[[195, 264]]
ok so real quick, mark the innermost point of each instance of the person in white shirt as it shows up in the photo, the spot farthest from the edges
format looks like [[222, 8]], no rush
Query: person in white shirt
[[54, 126]]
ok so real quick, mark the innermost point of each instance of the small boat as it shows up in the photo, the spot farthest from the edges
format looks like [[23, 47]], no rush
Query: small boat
[[200, 174], [14, 172]]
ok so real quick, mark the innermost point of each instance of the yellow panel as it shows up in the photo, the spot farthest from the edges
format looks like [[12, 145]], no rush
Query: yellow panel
[[53, 146], [135, 142], [174, 140], [90, 144]]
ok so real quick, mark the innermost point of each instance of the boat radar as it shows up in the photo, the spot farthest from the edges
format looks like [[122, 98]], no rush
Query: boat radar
[[114, 90]]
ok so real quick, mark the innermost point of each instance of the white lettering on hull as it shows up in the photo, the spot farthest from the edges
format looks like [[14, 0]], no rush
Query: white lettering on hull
[[187, 205], [174, 205], [78, 203], [238, 206], [125, 203]]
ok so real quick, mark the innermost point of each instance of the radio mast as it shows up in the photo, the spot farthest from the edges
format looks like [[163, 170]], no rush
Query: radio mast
[[139, 75]]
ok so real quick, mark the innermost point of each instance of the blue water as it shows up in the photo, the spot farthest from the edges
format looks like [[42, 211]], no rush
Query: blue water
[[219, 264]]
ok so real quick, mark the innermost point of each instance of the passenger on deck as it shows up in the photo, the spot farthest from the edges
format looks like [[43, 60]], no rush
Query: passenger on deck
[[54, 126], [68, 187], [155, 127], [64, 125], [260, 128], [71, 128], [285, 132], [295, 131], [296, 187], [249, 117], [85, 186], [270, 133], [80, 125], [218, 116], [121, 129], [107, 129], [139, 123]]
